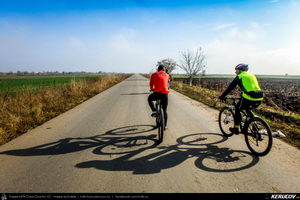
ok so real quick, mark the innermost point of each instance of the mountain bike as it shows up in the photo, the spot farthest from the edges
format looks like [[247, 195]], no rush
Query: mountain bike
[[258, 135]]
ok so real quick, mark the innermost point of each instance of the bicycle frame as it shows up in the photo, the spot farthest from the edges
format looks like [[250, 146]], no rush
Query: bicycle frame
[[248, 114]]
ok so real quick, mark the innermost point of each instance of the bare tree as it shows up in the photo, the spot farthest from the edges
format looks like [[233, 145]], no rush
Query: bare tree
[[193, 63], [169, 63]]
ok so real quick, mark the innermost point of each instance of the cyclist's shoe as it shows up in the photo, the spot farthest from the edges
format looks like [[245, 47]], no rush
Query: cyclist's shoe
[[154, 114], [234, 130], [166, 127]]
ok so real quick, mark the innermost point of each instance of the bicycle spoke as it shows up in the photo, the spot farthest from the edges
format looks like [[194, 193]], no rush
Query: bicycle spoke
[[226, 121], [258, 137]]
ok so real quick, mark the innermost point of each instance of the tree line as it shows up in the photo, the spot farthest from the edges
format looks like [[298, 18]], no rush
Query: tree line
[[193, 62], [27, 73]]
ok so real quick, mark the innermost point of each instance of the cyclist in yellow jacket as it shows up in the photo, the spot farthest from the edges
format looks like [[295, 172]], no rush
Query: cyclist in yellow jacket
[[251, 96]]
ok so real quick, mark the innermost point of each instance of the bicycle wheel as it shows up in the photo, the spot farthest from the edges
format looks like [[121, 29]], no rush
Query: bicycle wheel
[[157, 121], [161, 126], [258, 136], [226, 121], [157, 117]]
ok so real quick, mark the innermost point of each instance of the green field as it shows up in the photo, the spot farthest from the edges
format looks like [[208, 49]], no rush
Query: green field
[[11, 84]]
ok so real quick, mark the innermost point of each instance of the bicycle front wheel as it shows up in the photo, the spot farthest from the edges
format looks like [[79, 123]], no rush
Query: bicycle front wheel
[[226, 121], [258, 136]]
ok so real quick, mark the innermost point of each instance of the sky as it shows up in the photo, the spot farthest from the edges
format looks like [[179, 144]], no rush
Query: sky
[[133, 35]]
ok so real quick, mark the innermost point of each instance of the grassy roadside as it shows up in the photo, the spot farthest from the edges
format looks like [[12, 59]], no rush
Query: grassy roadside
[[27, 109], [14, 84], [288, 123]]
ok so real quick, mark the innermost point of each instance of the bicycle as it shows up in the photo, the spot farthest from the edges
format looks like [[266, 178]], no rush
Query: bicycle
[[160, 120], [258, 135]]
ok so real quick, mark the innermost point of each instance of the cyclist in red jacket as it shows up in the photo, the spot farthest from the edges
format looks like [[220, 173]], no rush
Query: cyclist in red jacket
[[159, 84]]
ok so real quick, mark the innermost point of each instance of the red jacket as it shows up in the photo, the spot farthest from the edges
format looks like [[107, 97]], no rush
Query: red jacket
[[159, 82]]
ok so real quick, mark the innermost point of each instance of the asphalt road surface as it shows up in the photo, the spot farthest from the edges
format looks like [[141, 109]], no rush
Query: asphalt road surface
[[108, 144]]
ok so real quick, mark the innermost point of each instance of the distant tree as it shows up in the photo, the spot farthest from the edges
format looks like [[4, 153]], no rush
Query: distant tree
[[169, 63], [193, 63]]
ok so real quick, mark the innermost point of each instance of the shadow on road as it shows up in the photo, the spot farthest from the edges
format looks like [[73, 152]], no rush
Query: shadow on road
[[70, 145], [138, 152], [201, 146]]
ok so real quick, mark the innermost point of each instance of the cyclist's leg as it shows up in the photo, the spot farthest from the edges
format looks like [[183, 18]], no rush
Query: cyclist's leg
[[251, 105], [237, 116], [164, 103], [247, 105], [152, 97], [255, 104]]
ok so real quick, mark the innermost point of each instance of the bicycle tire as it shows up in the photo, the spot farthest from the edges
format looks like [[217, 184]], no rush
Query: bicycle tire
[[157, 117], [230, 117], [161, 127], [157, 121], [265, 136]]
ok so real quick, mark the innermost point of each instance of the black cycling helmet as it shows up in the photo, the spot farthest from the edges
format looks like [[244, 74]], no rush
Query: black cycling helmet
[[242, 67], [161, 67]]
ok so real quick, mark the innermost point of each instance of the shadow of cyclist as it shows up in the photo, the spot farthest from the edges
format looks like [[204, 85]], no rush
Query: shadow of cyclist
[[70, 145], [129, 142], [198, 147]]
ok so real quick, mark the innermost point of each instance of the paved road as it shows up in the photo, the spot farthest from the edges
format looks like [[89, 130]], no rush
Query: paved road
[[107, 144]]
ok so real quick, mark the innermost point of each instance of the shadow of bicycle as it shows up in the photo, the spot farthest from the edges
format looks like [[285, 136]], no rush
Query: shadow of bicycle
[[136, 151], [201, 146], [70, 145]]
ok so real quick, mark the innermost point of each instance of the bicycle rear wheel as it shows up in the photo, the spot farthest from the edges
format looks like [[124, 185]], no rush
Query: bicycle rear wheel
[[161, 126], [258, 136], [226, 121], [157, 117], [158, 121]]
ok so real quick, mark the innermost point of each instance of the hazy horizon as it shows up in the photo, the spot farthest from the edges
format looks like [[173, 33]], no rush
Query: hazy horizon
[[130, 36]]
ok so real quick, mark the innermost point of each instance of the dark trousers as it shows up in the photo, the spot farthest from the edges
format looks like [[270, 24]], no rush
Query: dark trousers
[[164, 102], [244, 104]]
